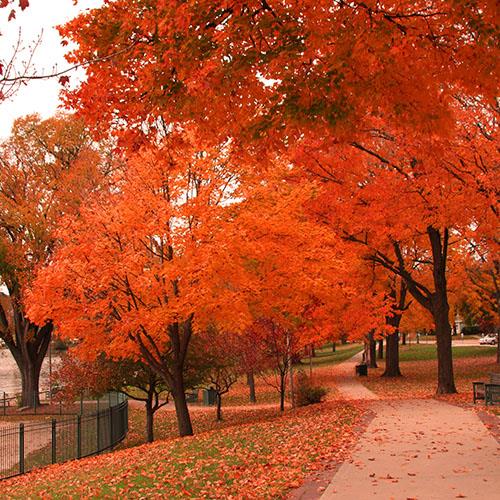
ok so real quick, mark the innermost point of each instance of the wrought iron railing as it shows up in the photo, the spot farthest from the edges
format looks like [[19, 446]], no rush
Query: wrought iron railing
[[28, 445]]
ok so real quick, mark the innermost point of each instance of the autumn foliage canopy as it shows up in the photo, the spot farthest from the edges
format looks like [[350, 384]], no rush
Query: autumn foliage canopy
[[321, 167]]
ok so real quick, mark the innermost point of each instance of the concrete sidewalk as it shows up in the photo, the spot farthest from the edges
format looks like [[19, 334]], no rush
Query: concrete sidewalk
[[347, 382], [417, 449]]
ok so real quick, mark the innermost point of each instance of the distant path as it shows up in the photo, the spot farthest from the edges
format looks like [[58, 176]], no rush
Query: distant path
[[348, 384], [416, 449]]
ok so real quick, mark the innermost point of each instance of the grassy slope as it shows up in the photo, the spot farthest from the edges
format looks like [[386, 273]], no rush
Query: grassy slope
[[257, 460], [254, 448]]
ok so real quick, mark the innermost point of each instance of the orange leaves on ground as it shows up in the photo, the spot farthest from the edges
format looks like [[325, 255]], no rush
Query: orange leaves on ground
[[256, 460]]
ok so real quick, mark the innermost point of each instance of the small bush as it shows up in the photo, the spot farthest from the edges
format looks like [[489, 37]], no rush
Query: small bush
[[306, 391]]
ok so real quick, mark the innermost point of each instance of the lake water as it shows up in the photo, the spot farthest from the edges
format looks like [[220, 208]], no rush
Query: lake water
[[10, 378]]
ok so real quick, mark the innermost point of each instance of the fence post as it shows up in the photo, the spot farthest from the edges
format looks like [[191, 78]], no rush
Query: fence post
[[54, 442], [78, 436], [21, 448]]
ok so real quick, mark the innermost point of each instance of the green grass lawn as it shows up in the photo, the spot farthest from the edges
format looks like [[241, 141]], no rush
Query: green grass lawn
[[420, 352], [419, 369], [325, 356]]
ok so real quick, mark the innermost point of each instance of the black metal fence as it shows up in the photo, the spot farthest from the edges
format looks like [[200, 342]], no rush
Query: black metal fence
[[51, 404], [28, 445]]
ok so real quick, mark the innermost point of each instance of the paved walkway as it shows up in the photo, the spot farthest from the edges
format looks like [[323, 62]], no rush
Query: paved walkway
[[348, 384], [418, 449]]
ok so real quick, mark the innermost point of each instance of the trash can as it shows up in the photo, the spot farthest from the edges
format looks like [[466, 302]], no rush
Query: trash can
[[209, 397], [192, 397], [362, 370]]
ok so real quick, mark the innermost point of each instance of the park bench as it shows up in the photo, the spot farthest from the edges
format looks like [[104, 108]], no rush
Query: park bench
[[489, 392]]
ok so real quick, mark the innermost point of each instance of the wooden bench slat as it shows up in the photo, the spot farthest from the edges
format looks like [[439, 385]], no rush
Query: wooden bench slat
[[489, 392]]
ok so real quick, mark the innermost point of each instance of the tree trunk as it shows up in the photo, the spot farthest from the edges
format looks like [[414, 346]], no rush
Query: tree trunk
[[173, 375], [219, 407], [334, 346], [251, 386], [392, 356], [403, 342], [380, 353], [435, 301], [372, 350], [149, 421], [394, 320], [313, 351], [282, 390], [29, 349], [30, 383], [181, 409], [446, 380], [440, 311]]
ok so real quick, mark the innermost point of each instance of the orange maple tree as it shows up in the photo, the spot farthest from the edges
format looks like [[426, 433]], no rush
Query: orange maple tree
[[273, 71], [141, 270], [47, 168], [177, 248], [384, 91]]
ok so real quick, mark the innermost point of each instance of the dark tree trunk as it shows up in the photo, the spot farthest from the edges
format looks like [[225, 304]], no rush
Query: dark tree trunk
[[446, 380], [313, 351], [282, 390], [403, 342], [435, 301], [392, 341], [28, 345], [440, 311], [343, 339], [219, 407], [180, 335], [372, 350], [251, 386], [392, 356], [149, 421], [181, 409], [30, 383], [380, 353], [334, 346]]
